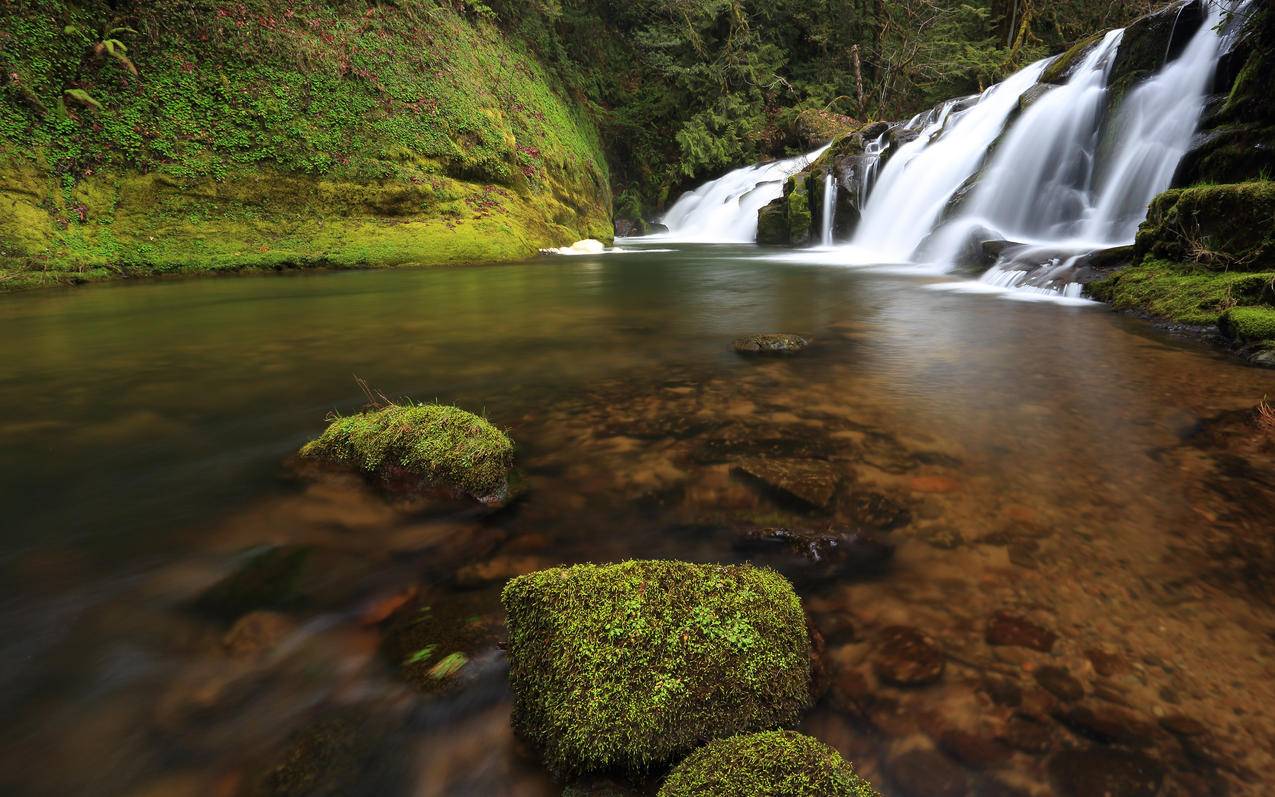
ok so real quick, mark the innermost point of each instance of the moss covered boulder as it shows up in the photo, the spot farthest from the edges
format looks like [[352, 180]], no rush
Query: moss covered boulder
[[625, 666], [771, 764], [788, 220], [1248, 324], [407, 446], [1223, 227]]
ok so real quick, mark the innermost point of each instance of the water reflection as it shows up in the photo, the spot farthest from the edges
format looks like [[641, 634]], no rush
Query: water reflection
[[1072, 468]]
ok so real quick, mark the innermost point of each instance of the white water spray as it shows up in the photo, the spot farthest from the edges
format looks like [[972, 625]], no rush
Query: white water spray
[[829, 208]]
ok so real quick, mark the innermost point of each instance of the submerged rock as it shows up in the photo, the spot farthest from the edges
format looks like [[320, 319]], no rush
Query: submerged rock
[[623, 666], [772, 343], [810, 482], [927, 773], [415, 447], [1112, 773], [907, 657], [815, 555], [267, 579], [1012, 630], [778, 763]]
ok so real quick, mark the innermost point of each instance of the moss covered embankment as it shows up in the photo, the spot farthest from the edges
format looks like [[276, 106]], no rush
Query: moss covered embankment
[[1205, 255], [169, 136]]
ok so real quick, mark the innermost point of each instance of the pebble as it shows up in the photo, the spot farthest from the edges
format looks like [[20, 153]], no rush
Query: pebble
[[907, 657]]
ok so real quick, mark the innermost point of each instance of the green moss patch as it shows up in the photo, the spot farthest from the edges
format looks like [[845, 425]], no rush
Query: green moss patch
[[1229, 226], [1181, 292], [620, 667], [440, 444], [1248, 323], [772, 764]]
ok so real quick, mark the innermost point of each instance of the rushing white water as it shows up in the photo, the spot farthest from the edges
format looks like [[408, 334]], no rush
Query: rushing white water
[[829, 209], [725, 210], [918, 181]]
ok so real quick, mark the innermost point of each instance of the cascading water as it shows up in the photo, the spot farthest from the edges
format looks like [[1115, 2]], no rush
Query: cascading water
[[1069, 176], [725, 210], [918, 181], [829, 209]]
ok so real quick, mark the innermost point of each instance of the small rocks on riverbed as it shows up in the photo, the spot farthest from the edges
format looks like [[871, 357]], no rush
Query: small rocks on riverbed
[[773, 343]]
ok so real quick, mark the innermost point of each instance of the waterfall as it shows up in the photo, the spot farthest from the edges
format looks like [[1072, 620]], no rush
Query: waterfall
[[725, 210], [918, 181], [872, 152], [829, 208]]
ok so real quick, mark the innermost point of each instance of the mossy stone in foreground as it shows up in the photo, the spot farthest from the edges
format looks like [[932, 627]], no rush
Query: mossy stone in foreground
[[440, 444], [771, 764], [619, 667]]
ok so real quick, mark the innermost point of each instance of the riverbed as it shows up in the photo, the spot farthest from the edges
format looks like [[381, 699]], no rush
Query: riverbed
[[1031, 468]]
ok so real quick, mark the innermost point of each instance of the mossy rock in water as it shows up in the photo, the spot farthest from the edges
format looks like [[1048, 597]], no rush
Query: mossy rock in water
[[773, 343], [1248, 324], [439, 445], [625, 666], [770, 764]]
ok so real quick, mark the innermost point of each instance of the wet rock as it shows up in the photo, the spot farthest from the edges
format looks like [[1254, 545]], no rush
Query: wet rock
[[1013, 630], [1022, 553], [975, 750], [813, 554], [993, 787], [267, 579], [1003, 692], [1180, 725], [599, 787], [1106, 723], [907, 657], [943, 537], [257, 633], [1029, 97], [810, 482], [1060, 683], [1029, 734], [934, 484], [779, 343], [766, 441], [384, 606], [434, 639], [851, 692], [501, 568], [1104, 663], [325, 758], [1105, 773], [926, 773], [875, 511]]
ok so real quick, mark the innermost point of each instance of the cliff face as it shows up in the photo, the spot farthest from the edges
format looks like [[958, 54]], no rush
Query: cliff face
[[184, 135]]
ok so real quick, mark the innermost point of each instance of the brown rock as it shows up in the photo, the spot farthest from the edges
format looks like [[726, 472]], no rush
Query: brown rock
[[812, 482], [381, 608], [907, 657], [1028, 733], [934, 484], [851, 693], [773, 343], [875, 511], [1100, 772], [926, 773], [1106, 723], [1105, 664], [1180, 725], [975, 750], [1013, 630], [256, 634], [501, 568], [1003, 692], [1060, 683]]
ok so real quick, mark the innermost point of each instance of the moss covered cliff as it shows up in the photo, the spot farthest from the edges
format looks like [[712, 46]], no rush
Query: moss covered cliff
[[184, 135]]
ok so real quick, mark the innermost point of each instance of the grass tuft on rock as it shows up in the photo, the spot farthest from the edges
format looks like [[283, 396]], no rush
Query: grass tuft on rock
[[770, 764], [441, 444], [625, 666]]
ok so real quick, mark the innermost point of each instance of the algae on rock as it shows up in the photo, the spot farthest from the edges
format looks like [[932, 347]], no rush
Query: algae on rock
[[626, 666], [773, 763], [442, 445]]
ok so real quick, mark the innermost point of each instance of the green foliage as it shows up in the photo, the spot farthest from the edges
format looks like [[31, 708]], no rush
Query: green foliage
[[439, 443], [628, 665], [768, 764]]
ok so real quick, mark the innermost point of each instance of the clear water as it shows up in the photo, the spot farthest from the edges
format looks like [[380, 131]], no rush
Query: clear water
[[1045, 454]]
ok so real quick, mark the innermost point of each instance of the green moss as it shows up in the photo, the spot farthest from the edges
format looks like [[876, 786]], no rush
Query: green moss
[[771, 764], [1228, 226], [628, 665], [274, 135], [800, 219], [1181, 292], [440, 444], [1249, 324], [1058, 71]]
